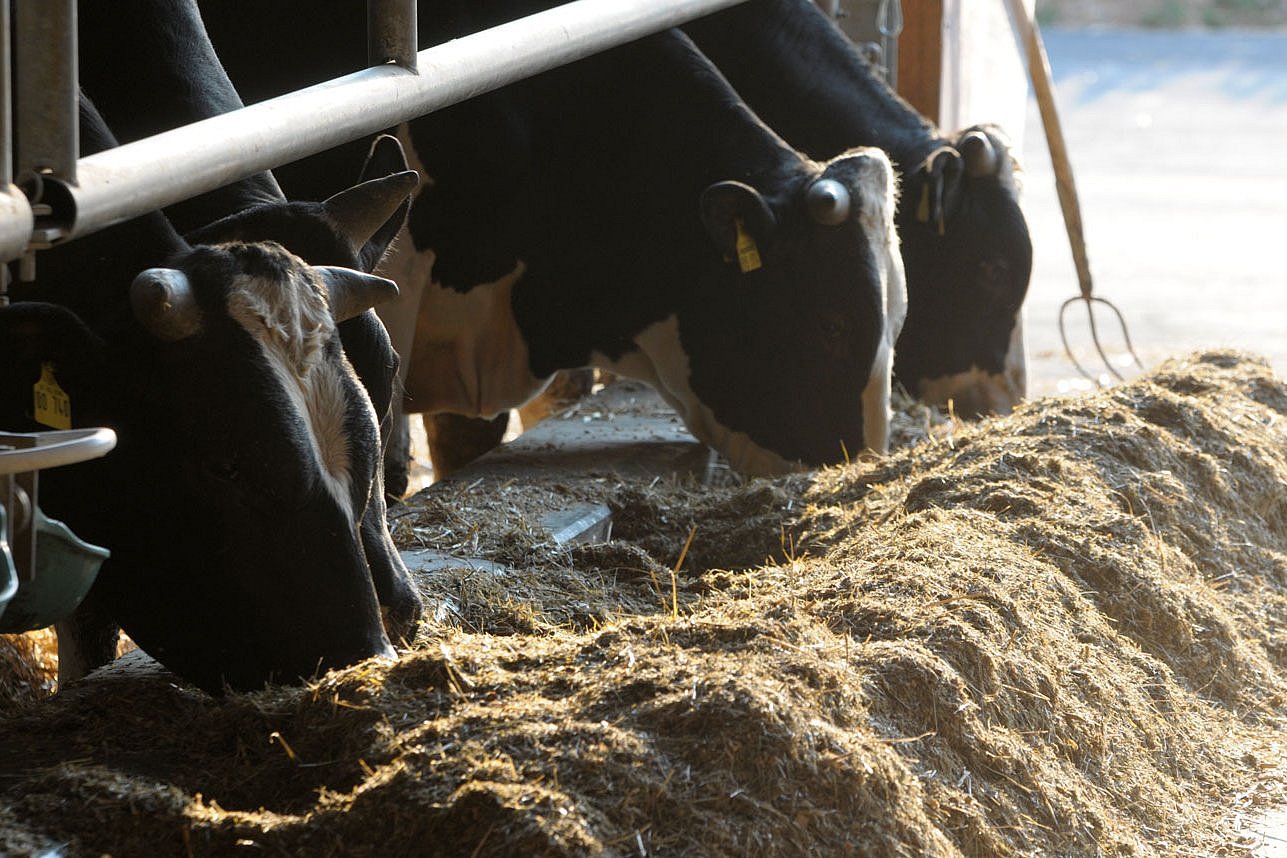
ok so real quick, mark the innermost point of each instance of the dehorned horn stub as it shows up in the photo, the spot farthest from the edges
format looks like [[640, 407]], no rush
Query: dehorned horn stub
[[828, 202], [979, 154], [353, 292], [164, 304]]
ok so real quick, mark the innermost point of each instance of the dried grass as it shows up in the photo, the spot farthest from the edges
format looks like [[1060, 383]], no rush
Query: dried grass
[[1056, 633]]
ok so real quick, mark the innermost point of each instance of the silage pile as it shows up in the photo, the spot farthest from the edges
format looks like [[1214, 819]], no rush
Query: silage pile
[[1055, 633]]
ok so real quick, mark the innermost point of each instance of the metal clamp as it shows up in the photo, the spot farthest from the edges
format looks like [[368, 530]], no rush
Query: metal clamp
[[889, 20]]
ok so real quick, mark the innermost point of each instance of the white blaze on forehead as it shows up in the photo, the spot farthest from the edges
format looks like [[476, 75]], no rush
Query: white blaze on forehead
[[877, 193], [292, 325]]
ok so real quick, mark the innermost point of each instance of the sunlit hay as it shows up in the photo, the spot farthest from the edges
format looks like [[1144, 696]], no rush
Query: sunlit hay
[[1058, 633], [28, 667]]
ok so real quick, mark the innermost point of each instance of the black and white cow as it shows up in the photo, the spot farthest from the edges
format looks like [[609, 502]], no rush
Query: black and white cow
[[247, 447], [965, 243], [630, 212], [148, 66]]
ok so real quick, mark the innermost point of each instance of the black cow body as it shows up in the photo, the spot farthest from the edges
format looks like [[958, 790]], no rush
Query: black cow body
[[590, 217], [965, 243], [148, 66], [247, 447]]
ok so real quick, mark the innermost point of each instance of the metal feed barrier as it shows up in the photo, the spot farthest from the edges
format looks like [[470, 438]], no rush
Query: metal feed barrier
[[59, 196], [49, 195]]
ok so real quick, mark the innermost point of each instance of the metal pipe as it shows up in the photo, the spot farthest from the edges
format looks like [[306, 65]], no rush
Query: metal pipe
[[47, 131], [16, 222], [15, 211], [391, 32], [149, 174]]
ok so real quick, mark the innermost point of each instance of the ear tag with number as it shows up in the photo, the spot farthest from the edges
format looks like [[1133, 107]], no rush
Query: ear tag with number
[[51, 404], [748, 255]]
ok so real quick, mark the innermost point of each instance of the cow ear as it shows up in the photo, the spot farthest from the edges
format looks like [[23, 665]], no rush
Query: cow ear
[[354, 292], [38, 331], [384, 158], [371, 214], [725, 205], [34, 333]]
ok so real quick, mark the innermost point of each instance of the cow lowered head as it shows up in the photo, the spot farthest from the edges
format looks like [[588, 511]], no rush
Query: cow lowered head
[[247, 450], [966, 243], [352, 228], [782, 357]]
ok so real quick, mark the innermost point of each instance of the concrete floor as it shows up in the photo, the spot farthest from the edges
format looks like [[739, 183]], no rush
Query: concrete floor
[[1176, 139]]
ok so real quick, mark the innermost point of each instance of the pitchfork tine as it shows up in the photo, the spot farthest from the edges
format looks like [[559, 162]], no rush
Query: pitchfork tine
[[1091, 301]]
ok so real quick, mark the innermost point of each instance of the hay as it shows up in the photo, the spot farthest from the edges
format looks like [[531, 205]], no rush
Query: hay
[[1056, 633], [28, 668]]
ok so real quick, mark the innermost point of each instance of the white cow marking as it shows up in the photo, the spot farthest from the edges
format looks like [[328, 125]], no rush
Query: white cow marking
[[292, 327], [877, 192], [976, 391]]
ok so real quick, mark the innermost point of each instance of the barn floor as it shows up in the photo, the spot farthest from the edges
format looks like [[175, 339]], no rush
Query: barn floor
[[1060, 632]]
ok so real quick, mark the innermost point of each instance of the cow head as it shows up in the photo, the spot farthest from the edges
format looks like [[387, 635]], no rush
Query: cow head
[[355, 228], [247, 449], [783, 354], [968, 257]]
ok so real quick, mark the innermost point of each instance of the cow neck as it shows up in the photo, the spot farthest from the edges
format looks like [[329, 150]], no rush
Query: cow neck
[[680, 120], [807, 81], [160, 47], [627, 143]]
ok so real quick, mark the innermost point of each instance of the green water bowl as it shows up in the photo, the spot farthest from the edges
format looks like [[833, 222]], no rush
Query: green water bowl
[[66, 567]]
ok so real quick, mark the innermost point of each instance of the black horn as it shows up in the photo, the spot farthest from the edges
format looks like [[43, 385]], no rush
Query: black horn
[[353, 292], [828, 202], [362, 209], [164, 304]]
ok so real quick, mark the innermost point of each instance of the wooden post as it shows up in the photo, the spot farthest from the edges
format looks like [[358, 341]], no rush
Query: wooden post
[[920, 56], [920, 47]]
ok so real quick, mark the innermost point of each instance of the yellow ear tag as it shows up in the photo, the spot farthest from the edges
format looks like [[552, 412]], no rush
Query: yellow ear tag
[[52, 405], [922, 209], [748, 255]]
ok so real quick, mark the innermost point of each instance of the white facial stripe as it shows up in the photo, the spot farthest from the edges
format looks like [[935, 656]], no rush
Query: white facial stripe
[[876, 409], [879, 200], [1016, 357], [292, 327]]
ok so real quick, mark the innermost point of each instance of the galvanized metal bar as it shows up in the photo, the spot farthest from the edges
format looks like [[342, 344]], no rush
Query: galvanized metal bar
[[15, 212], [121, 183], [45, 52], [391, 32]]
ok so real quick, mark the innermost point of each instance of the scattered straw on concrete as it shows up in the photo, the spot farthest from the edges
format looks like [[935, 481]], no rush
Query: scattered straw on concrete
[[1056, 633]]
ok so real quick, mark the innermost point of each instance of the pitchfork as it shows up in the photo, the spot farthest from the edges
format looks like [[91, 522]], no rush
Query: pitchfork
[[1039, 73]]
